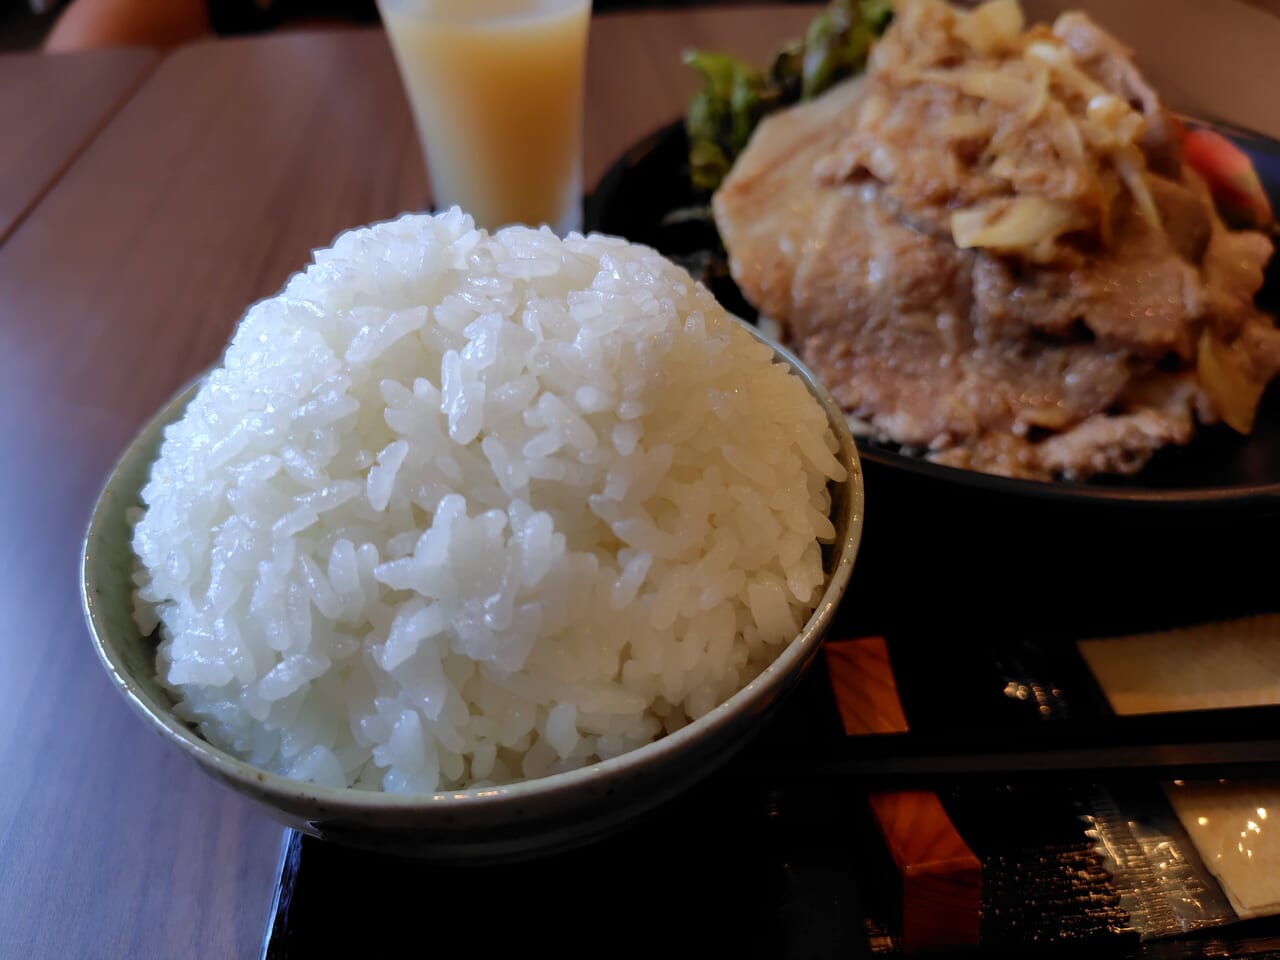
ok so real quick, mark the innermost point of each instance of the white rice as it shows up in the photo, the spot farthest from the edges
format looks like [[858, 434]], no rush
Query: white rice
[[460, 509]]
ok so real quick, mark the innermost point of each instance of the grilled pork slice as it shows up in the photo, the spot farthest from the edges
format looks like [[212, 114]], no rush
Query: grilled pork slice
[[1031, 287]]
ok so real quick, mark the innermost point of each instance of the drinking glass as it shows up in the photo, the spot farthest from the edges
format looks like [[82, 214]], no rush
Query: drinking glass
[[496, 88]]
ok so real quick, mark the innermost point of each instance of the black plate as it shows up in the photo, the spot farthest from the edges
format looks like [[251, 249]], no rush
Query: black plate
[[643, 197]]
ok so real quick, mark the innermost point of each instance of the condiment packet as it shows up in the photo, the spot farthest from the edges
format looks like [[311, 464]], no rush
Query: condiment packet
[[1230, 663]]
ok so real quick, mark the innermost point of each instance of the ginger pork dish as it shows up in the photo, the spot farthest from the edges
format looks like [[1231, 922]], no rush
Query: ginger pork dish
[[994, 249]]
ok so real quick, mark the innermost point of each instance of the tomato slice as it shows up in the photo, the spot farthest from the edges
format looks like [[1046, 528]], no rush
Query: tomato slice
[[1237, 190]]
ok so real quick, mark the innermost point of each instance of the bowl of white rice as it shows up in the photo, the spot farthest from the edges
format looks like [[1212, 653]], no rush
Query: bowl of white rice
[[475, 545]]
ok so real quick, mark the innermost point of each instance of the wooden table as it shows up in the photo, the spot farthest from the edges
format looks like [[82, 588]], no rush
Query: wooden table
[[50, 108], [124, 268]]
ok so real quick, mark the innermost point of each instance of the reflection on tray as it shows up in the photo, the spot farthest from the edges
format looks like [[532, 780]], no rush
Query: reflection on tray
[[986, 850]]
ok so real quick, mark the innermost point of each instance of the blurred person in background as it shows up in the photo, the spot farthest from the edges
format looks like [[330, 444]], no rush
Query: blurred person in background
[[85, 24]]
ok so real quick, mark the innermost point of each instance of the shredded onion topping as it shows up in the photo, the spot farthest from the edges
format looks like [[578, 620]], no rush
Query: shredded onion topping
[[1040, 146]]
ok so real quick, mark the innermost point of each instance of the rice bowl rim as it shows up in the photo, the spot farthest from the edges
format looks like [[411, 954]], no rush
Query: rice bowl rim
[[748, 702]]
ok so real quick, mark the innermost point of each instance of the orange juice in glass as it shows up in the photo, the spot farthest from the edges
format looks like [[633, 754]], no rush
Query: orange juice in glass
[[496, 88]]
